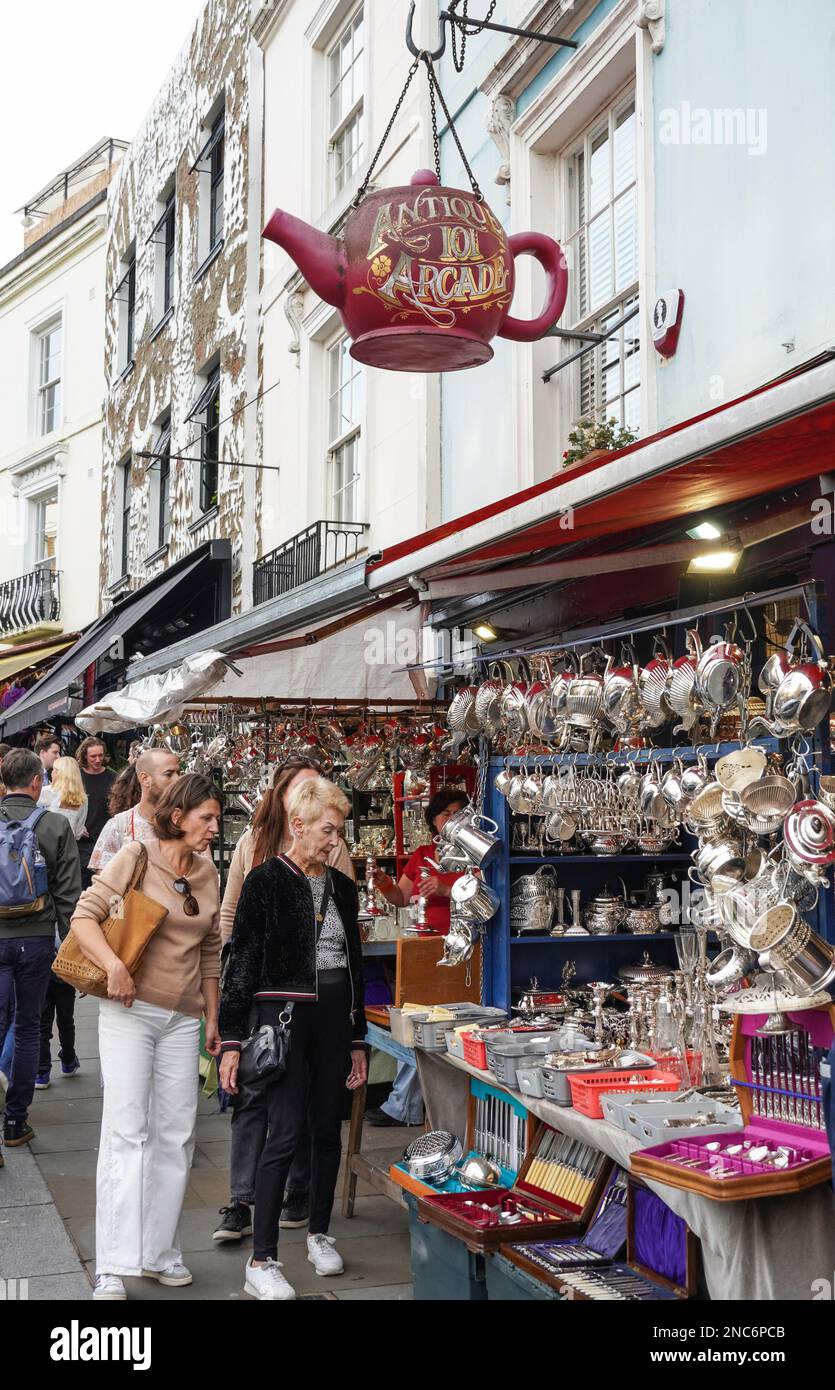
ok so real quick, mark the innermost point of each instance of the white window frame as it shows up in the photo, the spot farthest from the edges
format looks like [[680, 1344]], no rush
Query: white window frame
[[612, 309], [338, 180], [342, 440], [54, 384], [207, 248]]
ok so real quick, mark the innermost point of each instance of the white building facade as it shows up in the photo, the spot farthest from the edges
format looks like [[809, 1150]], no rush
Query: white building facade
[[51, 365], [357, 448]]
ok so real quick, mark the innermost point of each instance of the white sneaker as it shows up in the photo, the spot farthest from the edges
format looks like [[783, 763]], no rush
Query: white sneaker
[[322, 1255], [109, 1287], [267, 1283], [174, 1277]]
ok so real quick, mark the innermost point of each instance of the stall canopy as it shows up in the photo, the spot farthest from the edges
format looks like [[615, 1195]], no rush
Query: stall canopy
[[773, 438], [51, 697], [38, 654]]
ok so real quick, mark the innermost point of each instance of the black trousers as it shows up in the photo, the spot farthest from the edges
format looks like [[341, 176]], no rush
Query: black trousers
[[312, 1087], [60, 1003], [249, 1134]]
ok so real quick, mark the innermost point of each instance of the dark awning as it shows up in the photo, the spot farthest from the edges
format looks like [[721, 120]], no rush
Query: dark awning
[[50, 696]]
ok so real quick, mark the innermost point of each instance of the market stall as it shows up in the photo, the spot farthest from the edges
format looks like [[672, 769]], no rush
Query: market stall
[[659, 808]]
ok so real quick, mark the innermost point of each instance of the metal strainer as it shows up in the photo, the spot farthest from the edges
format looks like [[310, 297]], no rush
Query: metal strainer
[[432, 1157]]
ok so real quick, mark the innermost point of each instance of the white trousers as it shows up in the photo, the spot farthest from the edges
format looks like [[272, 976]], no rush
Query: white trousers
[[149, 1061]]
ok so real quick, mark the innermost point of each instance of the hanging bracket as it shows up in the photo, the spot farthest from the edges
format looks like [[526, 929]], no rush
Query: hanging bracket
[[447, 17]]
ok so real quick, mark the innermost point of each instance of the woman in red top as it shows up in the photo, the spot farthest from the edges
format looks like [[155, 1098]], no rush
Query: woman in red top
[[405, 1104], [436, 888]]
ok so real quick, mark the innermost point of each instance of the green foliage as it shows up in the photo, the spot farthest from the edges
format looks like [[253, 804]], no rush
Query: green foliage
[[590, 435]]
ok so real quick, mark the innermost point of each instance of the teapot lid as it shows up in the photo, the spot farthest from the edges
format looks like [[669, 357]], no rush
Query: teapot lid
[[810, 832], [425, 178]]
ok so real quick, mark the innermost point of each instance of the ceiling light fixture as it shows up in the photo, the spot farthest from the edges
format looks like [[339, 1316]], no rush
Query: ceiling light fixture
[[485, 633], [705, 531], [717, 562]]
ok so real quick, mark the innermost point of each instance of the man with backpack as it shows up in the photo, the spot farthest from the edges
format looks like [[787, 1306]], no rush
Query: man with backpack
[[40, 884]]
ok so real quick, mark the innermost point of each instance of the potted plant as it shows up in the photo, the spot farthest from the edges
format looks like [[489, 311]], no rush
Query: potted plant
[[589, 438]]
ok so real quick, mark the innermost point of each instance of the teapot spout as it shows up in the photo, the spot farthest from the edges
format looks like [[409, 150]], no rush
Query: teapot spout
[[321, 258]]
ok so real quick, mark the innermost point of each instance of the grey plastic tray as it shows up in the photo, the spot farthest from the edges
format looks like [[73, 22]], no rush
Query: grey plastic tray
[[529, 1078], [615, 1104], [556, 1084], [647, 1122], [432, 1036]]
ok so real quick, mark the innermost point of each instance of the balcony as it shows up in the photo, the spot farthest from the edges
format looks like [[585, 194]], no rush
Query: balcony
[[323, 546], [30, 602]]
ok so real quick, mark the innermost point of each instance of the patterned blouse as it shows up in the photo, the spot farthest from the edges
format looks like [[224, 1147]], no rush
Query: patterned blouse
[[331, 951]]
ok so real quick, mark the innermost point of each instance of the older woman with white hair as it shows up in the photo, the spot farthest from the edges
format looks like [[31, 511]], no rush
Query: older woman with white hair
[[296, 950]]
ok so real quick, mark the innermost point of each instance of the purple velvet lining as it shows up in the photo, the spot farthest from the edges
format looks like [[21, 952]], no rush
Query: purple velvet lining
[[660, 1237]]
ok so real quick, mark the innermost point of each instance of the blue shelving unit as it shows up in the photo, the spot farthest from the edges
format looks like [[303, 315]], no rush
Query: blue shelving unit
[[510, 961]]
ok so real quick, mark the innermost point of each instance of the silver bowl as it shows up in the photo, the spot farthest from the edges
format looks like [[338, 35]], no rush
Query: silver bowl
[[478, 1172]]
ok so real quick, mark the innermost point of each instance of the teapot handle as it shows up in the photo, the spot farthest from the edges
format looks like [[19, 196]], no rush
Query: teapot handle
[[550, 256]]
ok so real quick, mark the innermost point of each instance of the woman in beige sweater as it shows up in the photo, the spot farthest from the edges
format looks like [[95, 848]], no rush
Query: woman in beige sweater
[[149, 1037], [268, 837]]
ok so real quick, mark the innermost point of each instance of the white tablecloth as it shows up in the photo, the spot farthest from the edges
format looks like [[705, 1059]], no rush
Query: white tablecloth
[[762, 1248]]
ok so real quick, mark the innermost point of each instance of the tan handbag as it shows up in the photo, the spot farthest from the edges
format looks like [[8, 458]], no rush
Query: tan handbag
[[127, 934]]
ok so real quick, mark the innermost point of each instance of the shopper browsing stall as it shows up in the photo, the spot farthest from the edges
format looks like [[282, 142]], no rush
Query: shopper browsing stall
[[155, 771], [268, 836], [98, 780], [296, 950], [149, 1038]]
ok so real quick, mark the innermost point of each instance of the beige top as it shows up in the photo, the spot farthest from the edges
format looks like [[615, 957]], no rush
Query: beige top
[[240, 867], [184, 951]]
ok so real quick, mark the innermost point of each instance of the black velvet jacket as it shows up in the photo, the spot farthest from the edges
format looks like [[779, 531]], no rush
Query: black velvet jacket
[[273, 947]]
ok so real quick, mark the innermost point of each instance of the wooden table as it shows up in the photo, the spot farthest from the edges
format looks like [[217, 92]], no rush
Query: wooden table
[[356, 1164]]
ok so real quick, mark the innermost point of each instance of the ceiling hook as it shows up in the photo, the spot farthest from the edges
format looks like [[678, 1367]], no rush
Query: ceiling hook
[[416, 52]]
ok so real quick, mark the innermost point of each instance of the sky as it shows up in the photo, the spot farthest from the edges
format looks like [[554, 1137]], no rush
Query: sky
[[71, 73]]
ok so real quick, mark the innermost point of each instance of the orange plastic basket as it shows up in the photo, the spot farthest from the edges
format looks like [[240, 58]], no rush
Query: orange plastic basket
[[475, 1050], [587, 1090]]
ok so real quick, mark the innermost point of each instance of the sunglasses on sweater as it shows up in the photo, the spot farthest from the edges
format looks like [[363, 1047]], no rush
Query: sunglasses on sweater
[[191, 906]]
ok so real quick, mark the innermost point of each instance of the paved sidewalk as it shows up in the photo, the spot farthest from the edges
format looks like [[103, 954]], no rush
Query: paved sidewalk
[[50, 1205]]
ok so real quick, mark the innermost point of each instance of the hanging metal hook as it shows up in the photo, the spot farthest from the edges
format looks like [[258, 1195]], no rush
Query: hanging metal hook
[[435, 54]]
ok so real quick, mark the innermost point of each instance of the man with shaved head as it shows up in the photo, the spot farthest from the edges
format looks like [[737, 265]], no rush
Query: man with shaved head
[[156, 769]]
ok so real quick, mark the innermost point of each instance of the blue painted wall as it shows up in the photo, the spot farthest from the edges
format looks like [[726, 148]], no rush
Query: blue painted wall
[[749, 237]]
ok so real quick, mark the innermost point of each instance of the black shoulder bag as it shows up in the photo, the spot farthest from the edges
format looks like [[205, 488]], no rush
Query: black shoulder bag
[[264, 1054]]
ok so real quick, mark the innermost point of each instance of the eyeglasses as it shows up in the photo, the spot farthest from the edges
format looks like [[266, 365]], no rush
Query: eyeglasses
[[191, 906], [299, 764]]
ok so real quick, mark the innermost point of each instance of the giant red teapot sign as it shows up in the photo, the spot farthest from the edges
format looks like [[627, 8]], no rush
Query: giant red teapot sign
[[423, 276]]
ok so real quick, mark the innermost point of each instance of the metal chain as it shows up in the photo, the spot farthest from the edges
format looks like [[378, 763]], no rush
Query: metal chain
[[434, 86], [477, 28], [363, 188]]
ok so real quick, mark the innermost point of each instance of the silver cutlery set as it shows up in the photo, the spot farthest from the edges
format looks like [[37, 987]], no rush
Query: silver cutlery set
[[786, 1079], [500, 1132]]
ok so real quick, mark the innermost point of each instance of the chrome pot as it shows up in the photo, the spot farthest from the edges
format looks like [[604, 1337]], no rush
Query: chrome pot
[[653, 683], [729, 967], [474, 899], [787, 944], [643, 921]]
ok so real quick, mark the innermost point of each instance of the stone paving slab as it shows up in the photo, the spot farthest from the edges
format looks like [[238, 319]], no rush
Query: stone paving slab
[[21, 1184], [60, 1288], [66, 1138], [33, 1240]]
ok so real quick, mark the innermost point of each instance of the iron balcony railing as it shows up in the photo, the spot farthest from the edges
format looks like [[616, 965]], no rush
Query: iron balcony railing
[[30, 600], [321, 547]]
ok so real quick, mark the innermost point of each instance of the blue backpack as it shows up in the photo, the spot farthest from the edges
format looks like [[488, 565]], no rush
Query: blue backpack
[[24, 883]]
